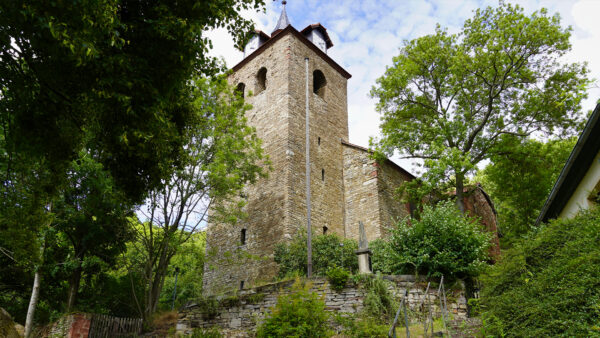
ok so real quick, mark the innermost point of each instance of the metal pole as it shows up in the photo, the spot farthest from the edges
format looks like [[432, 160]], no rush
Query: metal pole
[[442, 303], [405, 315], [308, 227], [342, 248], [175, 289]]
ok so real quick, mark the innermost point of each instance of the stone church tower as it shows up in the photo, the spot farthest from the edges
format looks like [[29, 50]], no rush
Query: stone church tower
[[345, 183]]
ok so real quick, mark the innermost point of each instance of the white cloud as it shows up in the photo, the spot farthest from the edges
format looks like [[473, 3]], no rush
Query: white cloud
[[367, 34]]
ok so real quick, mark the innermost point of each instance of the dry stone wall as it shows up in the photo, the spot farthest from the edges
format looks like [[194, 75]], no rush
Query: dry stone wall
[[239, 315]]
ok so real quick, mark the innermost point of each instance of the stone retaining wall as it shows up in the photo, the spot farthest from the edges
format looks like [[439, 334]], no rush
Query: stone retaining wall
[[238, 315]]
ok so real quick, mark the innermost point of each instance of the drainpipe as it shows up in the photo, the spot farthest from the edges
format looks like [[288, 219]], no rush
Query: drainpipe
[[308, 227]]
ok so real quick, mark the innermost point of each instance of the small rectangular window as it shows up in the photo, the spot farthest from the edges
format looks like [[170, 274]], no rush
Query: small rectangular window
[[319, 141], [322, 174], [241, 285], [243, 237]]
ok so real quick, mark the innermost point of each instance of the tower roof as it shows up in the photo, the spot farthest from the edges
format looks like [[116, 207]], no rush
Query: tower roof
[[283, 21]]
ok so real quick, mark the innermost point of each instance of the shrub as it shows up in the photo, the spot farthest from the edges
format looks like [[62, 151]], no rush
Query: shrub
[[212, 332], [548, 284], [337, 278], [362, 326], [299, 314], [378, 301], [381, 256], [442, 242], [326, 253]]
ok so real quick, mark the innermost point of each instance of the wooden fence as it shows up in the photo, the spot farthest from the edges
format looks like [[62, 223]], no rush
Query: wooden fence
[[103, 326]]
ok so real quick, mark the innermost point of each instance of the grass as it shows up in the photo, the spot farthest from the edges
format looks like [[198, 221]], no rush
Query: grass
[[416, 330]]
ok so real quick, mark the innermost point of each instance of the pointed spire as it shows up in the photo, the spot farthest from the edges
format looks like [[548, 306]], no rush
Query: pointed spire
[[283, 21]]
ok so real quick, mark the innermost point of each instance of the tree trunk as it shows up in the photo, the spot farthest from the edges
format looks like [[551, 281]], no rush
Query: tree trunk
[[74, 282], [460, 203], [156, 278], [35, 292]]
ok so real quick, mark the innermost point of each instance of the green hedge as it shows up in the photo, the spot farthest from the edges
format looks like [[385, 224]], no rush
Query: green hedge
[[548, 285]]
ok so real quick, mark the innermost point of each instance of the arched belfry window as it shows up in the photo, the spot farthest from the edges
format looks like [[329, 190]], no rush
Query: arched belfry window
[[261, 80], [240, 89], [319, 83]]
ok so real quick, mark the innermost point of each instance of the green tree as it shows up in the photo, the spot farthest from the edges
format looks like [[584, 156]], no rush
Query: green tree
[[117, 70], [548, 284], [189, 259], [441, 242], [520, 181], [449, 98], [222, 155], [92, 215]]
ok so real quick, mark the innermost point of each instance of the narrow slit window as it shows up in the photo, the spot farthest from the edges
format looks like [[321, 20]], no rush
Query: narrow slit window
[[319, 141], [324, 230], [241, 285], [322, 174], [243, 237]]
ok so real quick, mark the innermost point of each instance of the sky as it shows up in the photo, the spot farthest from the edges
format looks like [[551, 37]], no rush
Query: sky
[[367, 34]]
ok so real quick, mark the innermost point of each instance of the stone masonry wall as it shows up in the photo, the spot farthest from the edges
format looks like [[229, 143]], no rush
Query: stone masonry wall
[[276, 206], [370, 193], [390, 178], [239, 315], [361, 200], [228, 261]]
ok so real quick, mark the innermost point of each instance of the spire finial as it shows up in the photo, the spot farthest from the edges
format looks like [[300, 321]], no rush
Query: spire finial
[[283, 20]]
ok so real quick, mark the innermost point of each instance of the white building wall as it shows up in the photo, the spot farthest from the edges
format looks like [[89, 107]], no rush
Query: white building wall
[[579, 199]]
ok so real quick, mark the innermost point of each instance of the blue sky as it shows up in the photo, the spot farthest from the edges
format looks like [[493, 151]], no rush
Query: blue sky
[[367, 34]]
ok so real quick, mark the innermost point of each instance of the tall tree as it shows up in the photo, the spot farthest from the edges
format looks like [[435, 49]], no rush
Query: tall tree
[[519, 182], [222, 154], [92, 215], [115, 69], [449, 98]]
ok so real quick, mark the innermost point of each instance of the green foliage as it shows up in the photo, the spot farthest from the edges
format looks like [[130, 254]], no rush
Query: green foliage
[[548, 284], [520, 182], [379, 302], [209, 307], [221, 155], [113, 74], [337, 278], [212, 332], [442, 242], [299, 314], [326, 253], [448, 98], [382, 258], [360, 326], [255, 298], [190, 261]]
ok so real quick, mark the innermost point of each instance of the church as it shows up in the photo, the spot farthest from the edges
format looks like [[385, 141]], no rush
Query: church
[[285, 76]]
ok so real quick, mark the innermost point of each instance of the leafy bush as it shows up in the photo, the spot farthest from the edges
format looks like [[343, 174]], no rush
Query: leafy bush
[[381, 256], [326, 253], [548, 284], [212, 332], [442, 242], [337, 278], [359, 326], [299, 314], [379, 302]]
